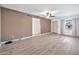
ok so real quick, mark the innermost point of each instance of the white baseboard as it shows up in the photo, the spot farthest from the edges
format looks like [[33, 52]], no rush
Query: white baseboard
[[24, 38]]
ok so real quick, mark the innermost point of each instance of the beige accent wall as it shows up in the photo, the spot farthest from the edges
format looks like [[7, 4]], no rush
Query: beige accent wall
[[45, 25], [15, 24], [0, 24]]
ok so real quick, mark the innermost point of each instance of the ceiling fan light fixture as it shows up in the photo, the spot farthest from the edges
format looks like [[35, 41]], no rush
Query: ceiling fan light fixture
[[48, 14]]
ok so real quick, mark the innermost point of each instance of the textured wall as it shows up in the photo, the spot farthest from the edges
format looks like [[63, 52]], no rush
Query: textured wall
[[15, 24], [45, 25]]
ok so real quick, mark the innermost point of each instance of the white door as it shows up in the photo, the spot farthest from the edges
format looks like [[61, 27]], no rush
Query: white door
[[54, 26], [35, 26]]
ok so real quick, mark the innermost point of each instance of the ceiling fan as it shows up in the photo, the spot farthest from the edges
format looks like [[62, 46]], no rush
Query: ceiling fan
[[45, 13], [48, 14]]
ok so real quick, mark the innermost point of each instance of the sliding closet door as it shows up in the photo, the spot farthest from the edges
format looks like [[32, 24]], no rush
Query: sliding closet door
[[35, 26]]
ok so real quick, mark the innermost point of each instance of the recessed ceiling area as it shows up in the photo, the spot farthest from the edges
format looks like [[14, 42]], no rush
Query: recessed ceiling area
[[60, 10]]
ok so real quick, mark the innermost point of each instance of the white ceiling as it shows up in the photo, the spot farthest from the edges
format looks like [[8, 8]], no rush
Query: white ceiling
[[61, 10]]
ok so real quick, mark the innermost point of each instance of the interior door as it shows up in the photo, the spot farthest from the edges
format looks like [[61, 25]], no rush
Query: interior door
[[54, 26], [35, 26]]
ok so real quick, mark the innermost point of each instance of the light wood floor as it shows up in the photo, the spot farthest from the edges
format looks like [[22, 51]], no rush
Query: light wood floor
[[49, 44]]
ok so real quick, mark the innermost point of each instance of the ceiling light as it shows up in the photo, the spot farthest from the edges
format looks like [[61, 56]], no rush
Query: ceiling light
[[48, 14]]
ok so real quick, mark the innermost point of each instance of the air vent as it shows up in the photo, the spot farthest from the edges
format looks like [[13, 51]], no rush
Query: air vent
[[28, 15], [8, 42]]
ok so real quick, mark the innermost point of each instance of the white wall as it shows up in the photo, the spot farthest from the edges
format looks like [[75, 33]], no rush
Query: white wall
[[62, 21], [59, 27], [76, 20]]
